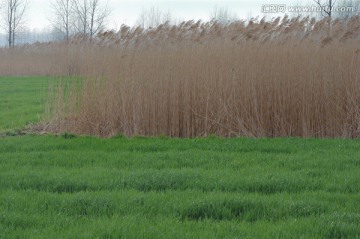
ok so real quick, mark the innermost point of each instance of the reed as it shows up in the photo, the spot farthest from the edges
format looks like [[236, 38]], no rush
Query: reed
[[278, 78]]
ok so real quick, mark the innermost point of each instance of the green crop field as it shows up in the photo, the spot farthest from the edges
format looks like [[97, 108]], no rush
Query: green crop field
[[84, 187], [22, 100]]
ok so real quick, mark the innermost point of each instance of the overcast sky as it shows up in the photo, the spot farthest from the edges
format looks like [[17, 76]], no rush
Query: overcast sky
[[127, 11]]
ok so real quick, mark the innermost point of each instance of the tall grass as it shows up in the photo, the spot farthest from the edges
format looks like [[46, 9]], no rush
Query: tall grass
[[285, 77]]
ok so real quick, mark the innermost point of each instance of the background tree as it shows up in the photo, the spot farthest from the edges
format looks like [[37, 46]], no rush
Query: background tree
[[222, 15], [326, 6], [63, 17], [13, 18], [90, 16], [153, 17]]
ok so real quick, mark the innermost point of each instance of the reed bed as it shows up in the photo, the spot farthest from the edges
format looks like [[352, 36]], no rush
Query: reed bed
[[281, 78]]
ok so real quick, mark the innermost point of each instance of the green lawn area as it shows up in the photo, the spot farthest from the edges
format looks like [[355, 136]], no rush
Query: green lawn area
[[85, 187]]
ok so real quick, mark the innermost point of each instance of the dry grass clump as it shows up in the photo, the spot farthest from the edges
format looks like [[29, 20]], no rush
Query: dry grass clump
[[279, 78]]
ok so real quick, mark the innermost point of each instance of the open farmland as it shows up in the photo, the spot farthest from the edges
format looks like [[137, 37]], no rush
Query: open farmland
[[199, 130], [84, 187]]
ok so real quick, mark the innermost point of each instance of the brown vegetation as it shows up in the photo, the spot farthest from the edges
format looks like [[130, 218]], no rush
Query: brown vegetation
[[287, 77]]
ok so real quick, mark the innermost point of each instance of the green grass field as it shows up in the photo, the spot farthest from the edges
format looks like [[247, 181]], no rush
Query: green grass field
[[83, 187], [22, 100]]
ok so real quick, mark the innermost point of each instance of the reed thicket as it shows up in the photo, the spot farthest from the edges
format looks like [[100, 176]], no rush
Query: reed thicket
[[285, 77]]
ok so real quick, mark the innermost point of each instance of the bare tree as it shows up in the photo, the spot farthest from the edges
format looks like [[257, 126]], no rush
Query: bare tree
[[82, 14], [153, 17], [98, 16], [222, 15], [338, 8], [91, 16], [14, 12], [63, 17], [326, 7]]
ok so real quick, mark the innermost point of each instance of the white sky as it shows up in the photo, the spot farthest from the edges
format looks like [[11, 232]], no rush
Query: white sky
[[127, 11]]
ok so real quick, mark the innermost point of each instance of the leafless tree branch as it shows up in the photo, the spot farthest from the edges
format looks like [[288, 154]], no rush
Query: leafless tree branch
[[91, 16], [14, 12], [326, 7], [62, 17], [153, 17]]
